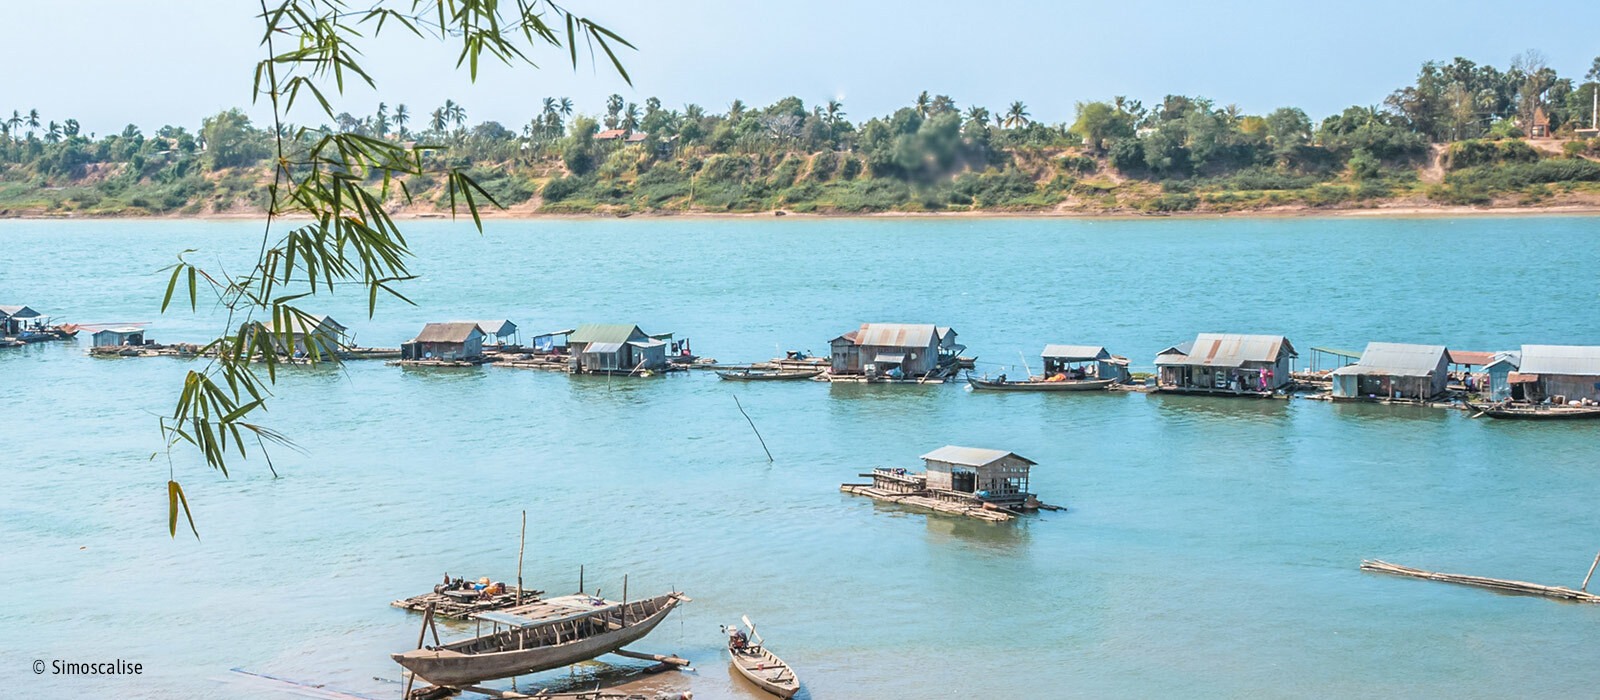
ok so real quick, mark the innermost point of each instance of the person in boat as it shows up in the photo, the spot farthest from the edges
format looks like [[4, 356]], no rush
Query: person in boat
[[1002, 378], [737, 640]]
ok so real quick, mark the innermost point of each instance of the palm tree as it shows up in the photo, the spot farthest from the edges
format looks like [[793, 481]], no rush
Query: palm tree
[[693, 112], [437, 121], [613, 108], [402, 116], [942, 104], [833, 112], [652, 105], [53, 135], [566, 107], [457, 113], [922, 104], [5, 129], [978, 115], [1017, 115], [736, 110], [33, 121], [16, 121], [380, 121], [549, 106], [70, 128], [630, 118]]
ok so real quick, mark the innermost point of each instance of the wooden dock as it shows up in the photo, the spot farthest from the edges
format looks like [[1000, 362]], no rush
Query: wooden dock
[[928, 502], [1503, 585], [463, 606]]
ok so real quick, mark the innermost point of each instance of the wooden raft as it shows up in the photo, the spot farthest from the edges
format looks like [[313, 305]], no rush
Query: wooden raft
[[454, 609], [934, 504], [1519, 587]]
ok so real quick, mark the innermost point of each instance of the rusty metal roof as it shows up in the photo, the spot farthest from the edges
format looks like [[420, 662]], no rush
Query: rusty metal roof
[[1471, 358], [453, 332], [1561, 359], [1075, 353], [1397, 360], [1231, 350], [971, 456], [896, 335]]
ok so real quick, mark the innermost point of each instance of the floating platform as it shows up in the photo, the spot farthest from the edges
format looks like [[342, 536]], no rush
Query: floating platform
[[929, 503], [550, 363], [472, 362], [1503, 585], [463, 604]]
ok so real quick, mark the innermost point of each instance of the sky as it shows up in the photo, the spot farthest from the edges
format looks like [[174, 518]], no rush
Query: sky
[[108, 63]]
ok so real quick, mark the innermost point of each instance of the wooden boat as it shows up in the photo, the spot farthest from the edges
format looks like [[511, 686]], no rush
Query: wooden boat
[[540, 636], [1534, 412], [759, 666], [1039, 384], [749, 375]]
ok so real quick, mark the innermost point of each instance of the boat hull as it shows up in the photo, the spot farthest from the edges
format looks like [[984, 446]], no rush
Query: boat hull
[[1554, 413], [1083, 385], [766, 671], [768, 376], [444, 667]]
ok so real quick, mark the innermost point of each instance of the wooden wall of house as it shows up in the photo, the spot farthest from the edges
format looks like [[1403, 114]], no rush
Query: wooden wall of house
[[1572, 386]]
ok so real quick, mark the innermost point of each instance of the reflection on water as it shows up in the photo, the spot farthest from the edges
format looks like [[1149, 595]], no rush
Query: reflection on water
[[1188, 407], [1363, 411]]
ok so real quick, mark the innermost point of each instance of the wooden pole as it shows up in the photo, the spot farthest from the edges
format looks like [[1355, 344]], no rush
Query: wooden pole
[[624, 600], [520, 546], [580, 578], [1585, 585], [753, 427]]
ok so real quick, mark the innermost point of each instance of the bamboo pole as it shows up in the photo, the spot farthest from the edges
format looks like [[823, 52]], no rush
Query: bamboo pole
[[753, 427], [1483, 582], [520, 546], [1585, 585]]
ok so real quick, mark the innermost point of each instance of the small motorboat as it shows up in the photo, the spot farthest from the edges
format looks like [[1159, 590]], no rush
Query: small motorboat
[[753, 375], [1039, 384], [759, 666]]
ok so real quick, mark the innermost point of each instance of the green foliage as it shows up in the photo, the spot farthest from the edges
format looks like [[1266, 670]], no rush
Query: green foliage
[[993, 188], [1474, 152], [823, 165], [1173, 202], [231, 141], [1518, 175]]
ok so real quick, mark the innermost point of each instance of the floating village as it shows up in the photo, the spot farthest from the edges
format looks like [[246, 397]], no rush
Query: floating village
[[517, 631]]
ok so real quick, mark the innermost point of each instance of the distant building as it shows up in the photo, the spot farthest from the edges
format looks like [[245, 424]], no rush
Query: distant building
[[908, 350], [1064, 359], [552, 343], [622, 135], [1394, 371], [1540, 128], [459, 340], [118, 337], [305, 333], [1228, 364], [13, 319], [1500, 369], [615, 348], [1545, 372], [995, 476], [500, 331]]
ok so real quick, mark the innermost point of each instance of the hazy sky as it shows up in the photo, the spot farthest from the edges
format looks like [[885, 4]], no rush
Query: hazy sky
[[151, 62]]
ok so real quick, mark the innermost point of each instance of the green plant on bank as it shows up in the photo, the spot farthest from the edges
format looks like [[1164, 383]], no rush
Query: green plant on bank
[[340, 181]]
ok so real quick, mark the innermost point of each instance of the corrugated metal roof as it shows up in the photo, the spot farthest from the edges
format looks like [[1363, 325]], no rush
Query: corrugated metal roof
[[494, 327], [17, 312], [892, 359], [453, 332], [601, 348], [308, 324], [971, 456], [605, 333], [1471, 358], [1397, 360], [651, 343], [897, 335], [552, 334], [1232, 350], [1071, 353], [1561, 359]]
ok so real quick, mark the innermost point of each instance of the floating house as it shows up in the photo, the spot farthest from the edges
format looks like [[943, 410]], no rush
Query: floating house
[[552, 343], [1390, 371], [499, 332], [15, 319], [305, 333], [1562, 373], [897, 350], [1227, 364], [599, 348], [119, 337], [458, 341], [982, 483], [1092, 361], [1499, 371]]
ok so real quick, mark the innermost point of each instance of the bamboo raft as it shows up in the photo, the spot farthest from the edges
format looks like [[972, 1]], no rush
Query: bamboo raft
[[1504, 585], [455, 608], [928, 502]]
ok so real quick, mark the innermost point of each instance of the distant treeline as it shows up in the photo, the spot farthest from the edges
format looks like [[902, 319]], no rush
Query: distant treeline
[[1183, 153]]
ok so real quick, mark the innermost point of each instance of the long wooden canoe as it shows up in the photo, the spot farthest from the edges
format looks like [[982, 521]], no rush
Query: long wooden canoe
[[759, 376], [765, 670], [540, 636], [1527, 412], [1040, 385]]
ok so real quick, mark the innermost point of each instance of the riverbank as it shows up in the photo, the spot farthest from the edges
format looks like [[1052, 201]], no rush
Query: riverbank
[[1577, 204]]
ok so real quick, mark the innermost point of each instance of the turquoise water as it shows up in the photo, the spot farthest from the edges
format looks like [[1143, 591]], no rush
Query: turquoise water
[[1210, 548]]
